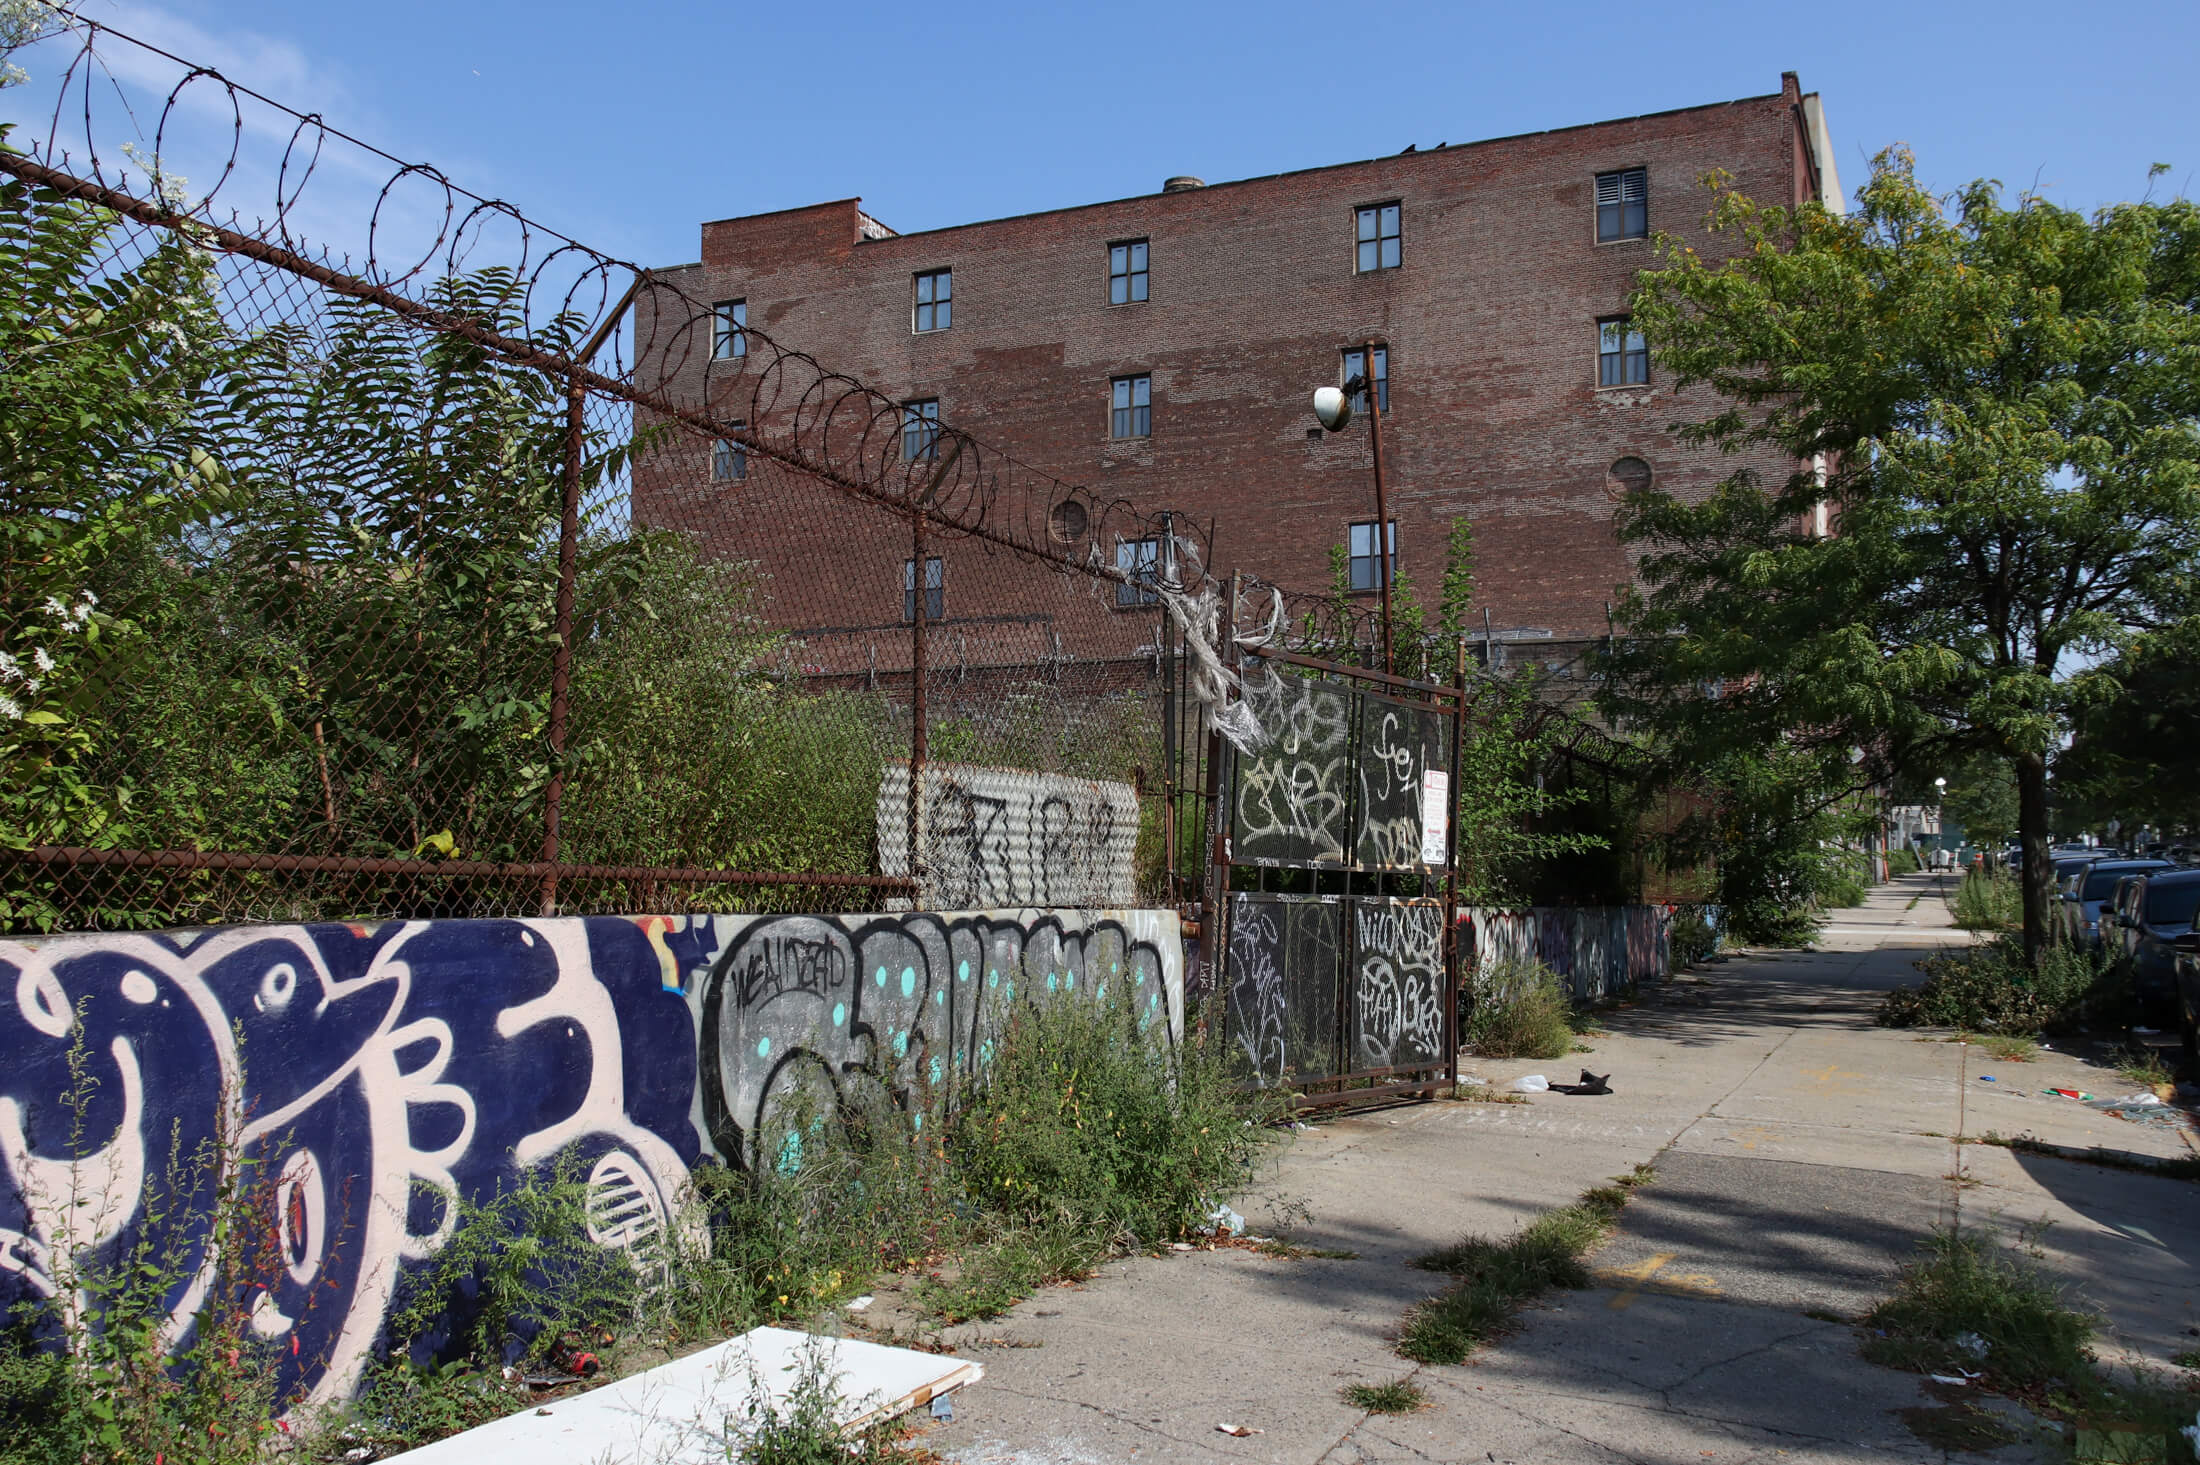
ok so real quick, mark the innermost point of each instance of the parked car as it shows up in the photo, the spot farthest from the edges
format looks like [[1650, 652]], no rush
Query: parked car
[[2087, 890], [2150, 913]]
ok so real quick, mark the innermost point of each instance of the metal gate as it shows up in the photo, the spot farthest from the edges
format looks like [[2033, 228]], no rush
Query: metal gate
[[1333, 872]]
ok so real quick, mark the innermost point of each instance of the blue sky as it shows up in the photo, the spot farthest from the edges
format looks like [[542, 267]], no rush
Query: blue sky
[[627, 125]]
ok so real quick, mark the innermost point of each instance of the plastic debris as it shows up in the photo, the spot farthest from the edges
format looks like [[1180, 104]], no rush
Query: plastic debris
[[2192, 1432], [1985, 1078], [1239, 1430], [858, 1304], [943, 1408], [1531, 1083], [2148, 1032], [1180, 1246], [1948, 1378], [1972, 1344], [1226, 1221], [2069, 1094]]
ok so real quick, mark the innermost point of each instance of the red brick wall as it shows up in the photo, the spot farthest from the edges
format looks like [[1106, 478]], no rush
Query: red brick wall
[[1495, 412]]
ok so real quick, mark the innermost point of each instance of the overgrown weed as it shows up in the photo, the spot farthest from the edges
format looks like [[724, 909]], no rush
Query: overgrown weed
[[1989, 988], [1498, 1278], [1399, 1396], [1987, 902], [87, 1372], [1969, 1304]]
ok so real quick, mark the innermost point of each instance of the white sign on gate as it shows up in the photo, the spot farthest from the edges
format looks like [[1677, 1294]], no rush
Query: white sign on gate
[[1435, 815]]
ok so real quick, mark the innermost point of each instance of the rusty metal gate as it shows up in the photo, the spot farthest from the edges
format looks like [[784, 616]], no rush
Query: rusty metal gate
[[1333, 872]]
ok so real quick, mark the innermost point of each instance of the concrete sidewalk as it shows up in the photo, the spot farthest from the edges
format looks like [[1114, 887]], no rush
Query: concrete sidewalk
[[1801, 1153]]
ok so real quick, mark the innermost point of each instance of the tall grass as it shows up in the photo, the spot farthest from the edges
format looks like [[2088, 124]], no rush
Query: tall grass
[[1988, 902]]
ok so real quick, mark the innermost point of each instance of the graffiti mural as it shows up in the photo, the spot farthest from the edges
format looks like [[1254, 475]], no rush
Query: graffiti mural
[[852, 1013], [1398, 987], [379, 1070], [1291, 799], [1003, 838], [1600, 951]]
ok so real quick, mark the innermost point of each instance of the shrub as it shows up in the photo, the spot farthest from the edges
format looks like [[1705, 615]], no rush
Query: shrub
[[1519, 1010], [1691, 939], [1902, 862], [1989, 988], [1084, 1116]]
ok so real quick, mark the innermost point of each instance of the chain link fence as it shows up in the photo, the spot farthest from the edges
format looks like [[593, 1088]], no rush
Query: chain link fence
[[480, 573]]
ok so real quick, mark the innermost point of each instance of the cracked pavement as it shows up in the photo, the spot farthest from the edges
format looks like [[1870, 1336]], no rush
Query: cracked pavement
[[1801, 1153]]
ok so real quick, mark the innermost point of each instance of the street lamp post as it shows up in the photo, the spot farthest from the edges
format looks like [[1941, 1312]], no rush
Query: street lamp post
[[1333, 409]]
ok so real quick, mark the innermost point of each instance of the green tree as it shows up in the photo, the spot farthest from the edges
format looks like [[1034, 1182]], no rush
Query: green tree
[[1997, 403], [2136, 753], [1982, 800], [113, 357]]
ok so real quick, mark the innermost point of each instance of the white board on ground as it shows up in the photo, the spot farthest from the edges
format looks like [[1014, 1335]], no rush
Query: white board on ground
[[693, 1410]]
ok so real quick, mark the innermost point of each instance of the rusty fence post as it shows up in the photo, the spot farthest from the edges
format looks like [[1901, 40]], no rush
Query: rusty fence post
[[1385, 541], [561, 658], [569, 542], [919, 670]]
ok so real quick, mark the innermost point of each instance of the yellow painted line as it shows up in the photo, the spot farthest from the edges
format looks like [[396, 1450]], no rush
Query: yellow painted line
[[1650, 1276]]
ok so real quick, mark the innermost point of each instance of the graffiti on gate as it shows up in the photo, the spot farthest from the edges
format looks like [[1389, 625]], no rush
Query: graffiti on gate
[[379, 1071], [1398, 998], [1399, 744], [1293, 795], [1280, 1008]]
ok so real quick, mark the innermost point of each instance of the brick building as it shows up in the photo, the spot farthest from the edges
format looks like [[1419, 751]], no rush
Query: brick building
[[1164, 349]]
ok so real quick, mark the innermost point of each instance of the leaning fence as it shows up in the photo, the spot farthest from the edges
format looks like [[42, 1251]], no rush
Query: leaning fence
[[481, 573]]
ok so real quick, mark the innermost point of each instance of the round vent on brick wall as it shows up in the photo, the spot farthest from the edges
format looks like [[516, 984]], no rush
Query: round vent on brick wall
[[1066, 522], [1628, 475]]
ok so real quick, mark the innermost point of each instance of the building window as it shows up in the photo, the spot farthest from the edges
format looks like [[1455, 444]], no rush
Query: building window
[[729, 334], [1355, 365], [729, 460], [1133, 414], [1141, 560], [935, 589], [1622, 358], [1127, 273], [1623, 205], [1360, 567], [920, 429], [1378, 238], [935, 301]]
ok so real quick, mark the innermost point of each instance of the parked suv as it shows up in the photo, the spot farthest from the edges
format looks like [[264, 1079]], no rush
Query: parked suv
[[2086, 891], [2152, 912]]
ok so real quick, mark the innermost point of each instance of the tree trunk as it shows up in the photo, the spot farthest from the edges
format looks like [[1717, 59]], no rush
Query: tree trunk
[[2039, 869]]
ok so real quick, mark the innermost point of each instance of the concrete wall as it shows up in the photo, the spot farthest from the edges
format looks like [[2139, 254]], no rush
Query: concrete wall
[[1600, 951], [376, 1068]]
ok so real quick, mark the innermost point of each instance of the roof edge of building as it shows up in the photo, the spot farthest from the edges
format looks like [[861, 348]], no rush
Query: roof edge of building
[[1272, 177]]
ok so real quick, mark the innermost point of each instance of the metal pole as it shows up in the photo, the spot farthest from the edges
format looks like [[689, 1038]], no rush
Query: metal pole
[[919, 671], [561, 657], [569, 529], [1451, 862], [1214, 916], [1171, 736], [1383, 549]]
